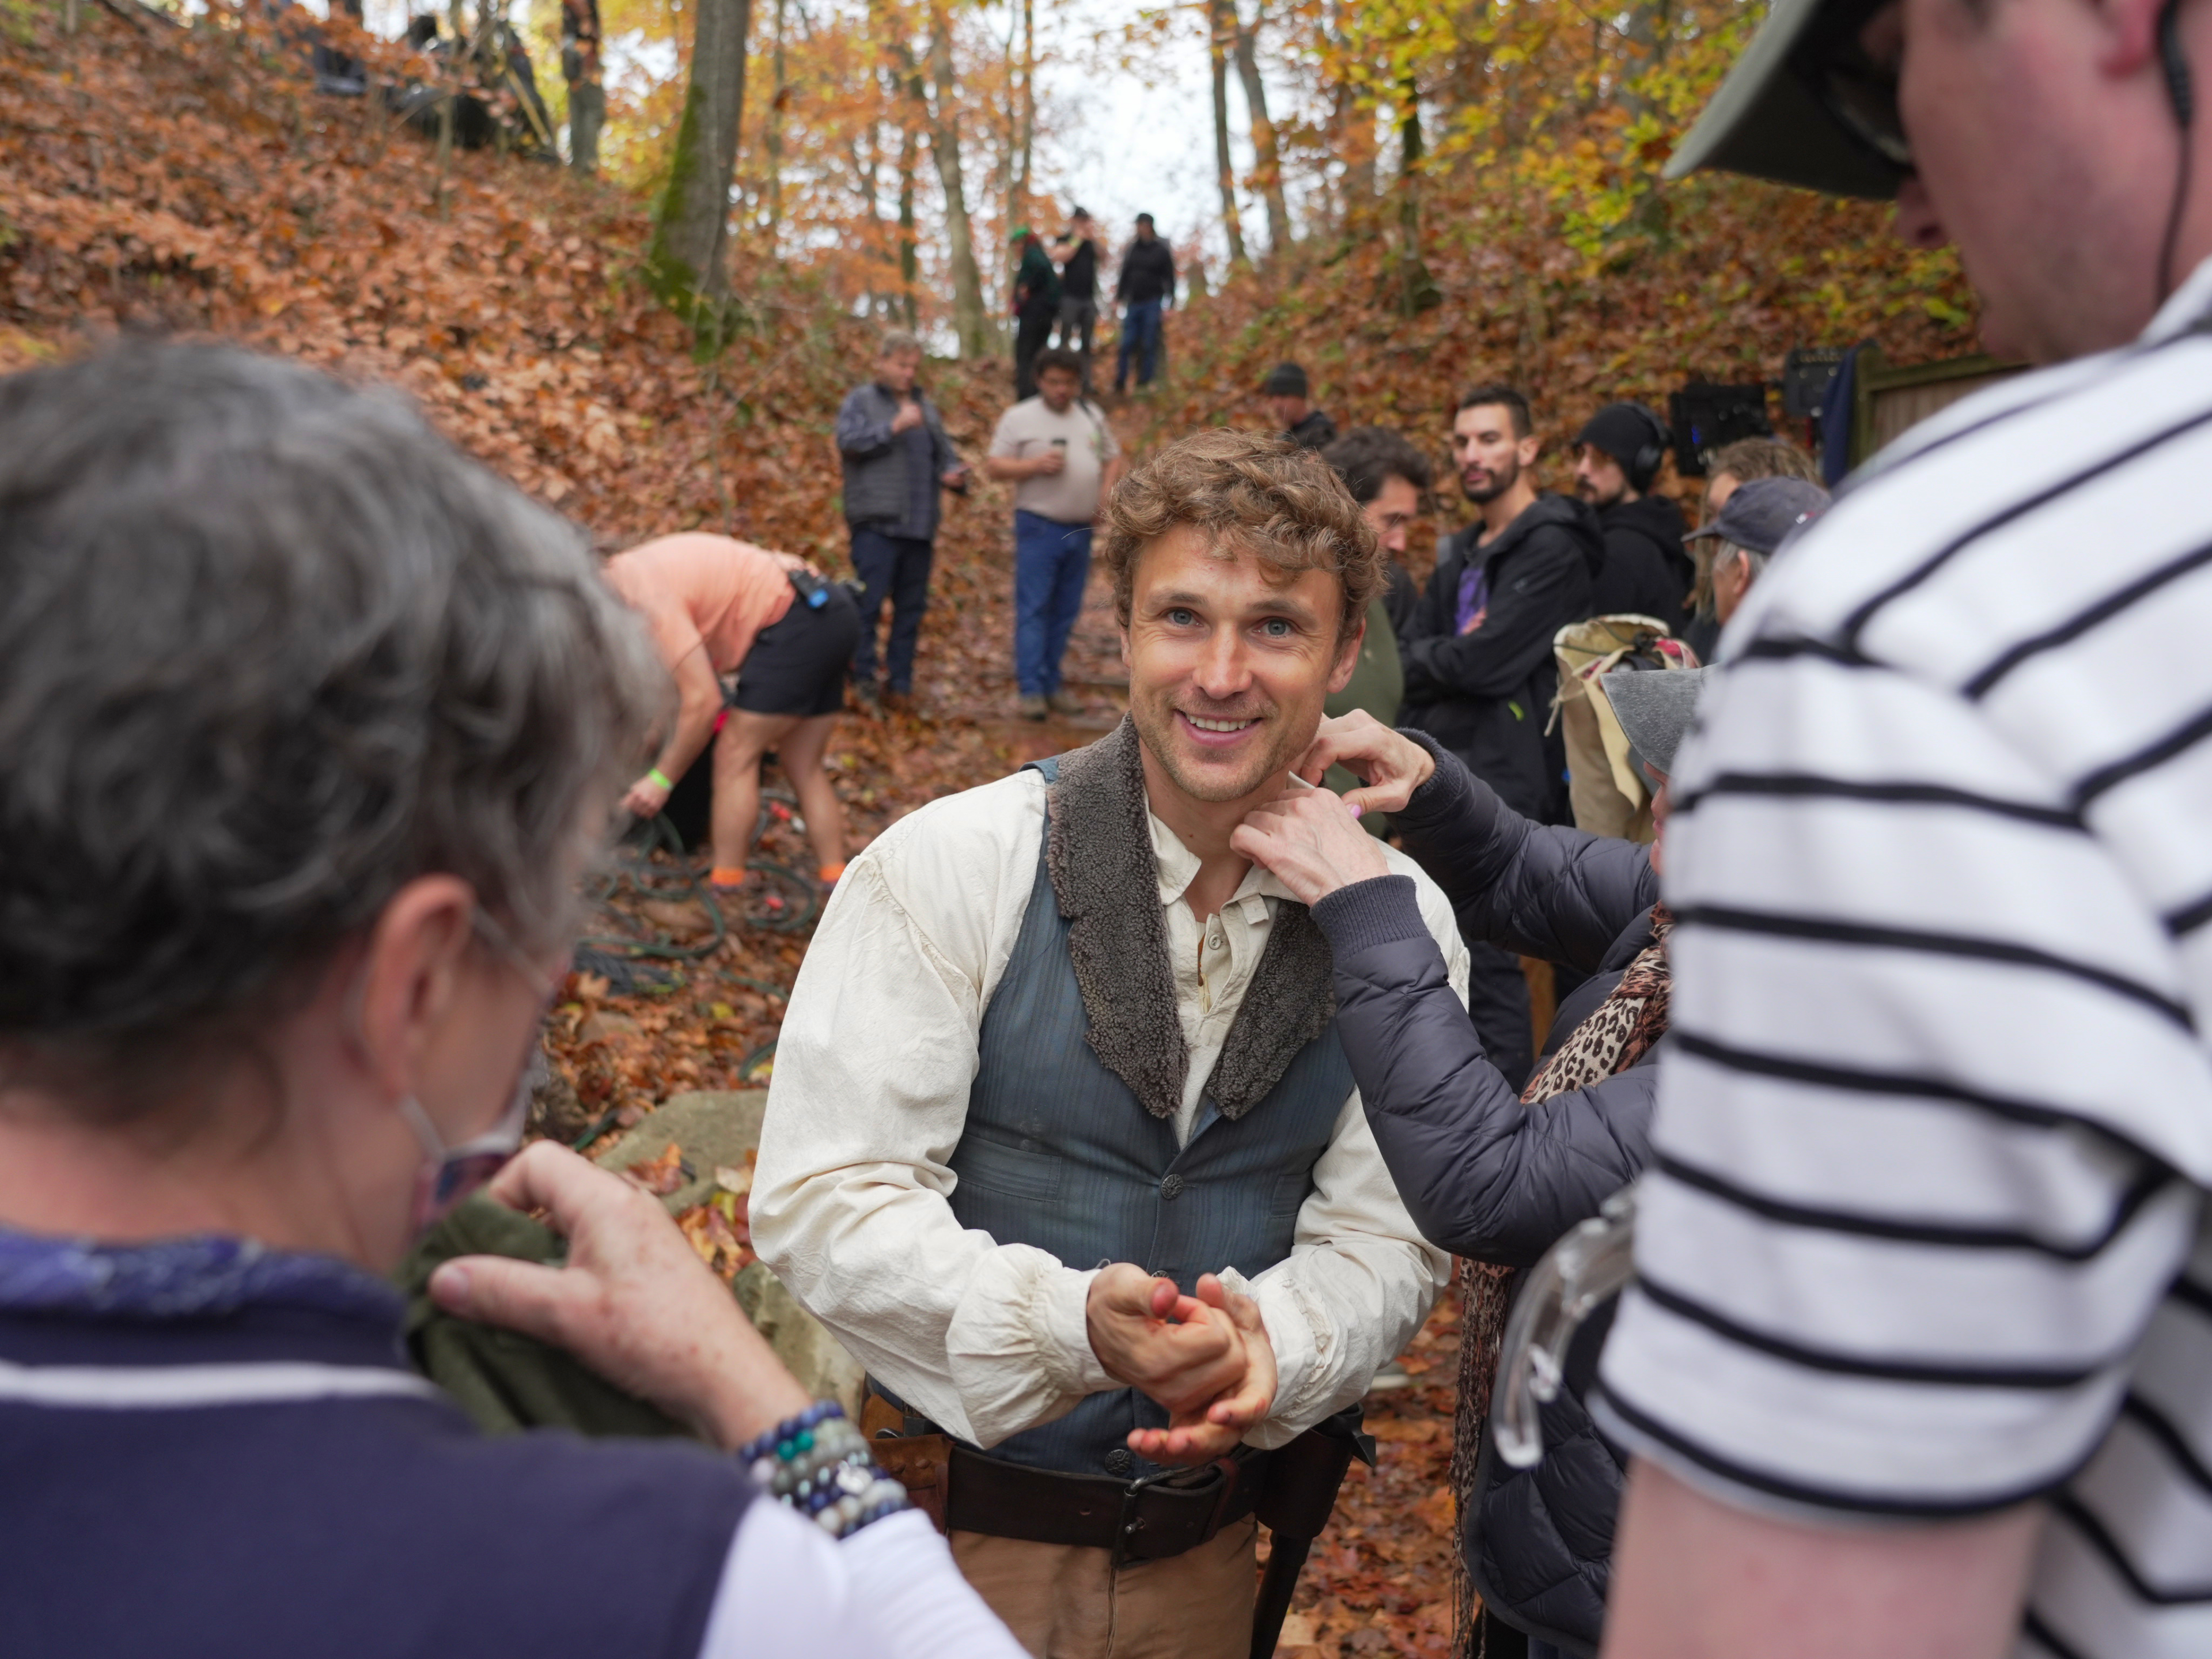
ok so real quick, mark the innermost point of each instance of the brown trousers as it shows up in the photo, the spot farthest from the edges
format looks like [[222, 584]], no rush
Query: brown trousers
[[1064, 1601]]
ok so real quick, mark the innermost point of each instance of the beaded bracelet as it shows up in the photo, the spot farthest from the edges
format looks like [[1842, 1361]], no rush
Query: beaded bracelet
[[818, 1463]]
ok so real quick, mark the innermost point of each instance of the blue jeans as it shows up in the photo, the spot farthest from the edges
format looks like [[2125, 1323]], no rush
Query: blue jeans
[[893, 568], [1140, 334], [1052, 561]]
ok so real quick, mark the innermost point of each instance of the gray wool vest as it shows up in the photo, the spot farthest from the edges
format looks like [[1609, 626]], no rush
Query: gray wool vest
[[1061, 1152]]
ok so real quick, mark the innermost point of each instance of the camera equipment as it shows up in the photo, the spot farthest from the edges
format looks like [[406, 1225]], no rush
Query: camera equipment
[[814, 589]]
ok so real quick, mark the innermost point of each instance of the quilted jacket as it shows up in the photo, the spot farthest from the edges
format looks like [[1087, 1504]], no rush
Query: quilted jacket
[[1484, 1176]]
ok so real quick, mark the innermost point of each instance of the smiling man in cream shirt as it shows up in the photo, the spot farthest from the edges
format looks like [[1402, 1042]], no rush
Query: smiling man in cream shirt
[[1061, 1063]]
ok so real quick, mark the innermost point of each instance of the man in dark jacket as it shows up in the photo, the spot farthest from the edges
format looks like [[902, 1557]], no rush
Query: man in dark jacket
[[1288, 392], [891, 441], [1037, 308], [1479, 673], [1646, 572], [1146, 286]]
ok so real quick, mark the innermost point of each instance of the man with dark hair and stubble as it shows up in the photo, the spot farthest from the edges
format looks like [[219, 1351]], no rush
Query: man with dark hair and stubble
[[1062, 1143], [1479, 674]]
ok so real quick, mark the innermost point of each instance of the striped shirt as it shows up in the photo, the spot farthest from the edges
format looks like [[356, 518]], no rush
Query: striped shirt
[[1924, 1234]]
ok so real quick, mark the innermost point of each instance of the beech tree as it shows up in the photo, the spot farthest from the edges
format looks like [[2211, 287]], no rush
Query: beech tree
[[690, 220]]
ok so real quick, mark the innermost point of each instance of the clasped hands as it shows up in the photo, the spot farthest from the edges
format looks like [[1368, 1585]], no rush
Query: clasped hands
[[1205, 1357], [1312, 838]]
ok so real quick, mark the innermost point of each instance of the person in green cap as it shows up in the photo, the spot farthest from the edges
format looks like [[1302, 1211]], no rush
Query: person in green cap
[[1037, 308], [1918, 1360]]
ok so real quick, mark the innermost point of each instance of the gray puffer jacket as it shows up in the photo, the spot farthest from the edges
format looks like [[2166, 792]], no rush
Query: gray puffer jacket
[[877, 488], [1484, 1176]]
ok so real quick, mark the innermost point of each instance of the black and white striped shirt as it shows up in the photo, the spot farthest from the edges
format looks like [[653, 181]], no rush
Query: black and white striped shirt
[[1925, 1231]]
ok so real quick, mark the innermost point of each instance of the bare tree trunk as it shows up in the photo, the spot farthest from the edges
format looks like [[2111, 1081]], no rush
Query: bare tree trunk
[[1021, 173], [909, 247], [691, 218], [1266, 162], [1221, 32], [967, 323], [1417, 290]]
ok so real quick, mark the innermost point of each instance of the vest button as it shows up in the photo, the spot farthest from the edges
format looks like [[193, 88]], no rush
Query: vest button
[[1121, 1460], [1172, 1187]]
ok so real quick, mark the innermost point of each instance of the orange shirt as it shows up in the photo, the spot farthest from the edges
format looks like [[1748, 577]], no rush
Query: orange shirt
[[696, 589]]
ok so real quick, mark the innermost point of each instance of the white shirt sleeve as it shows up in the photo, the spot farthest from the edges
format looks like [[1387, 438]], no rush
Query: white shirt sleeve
[[890, 1591], [873, 1067]]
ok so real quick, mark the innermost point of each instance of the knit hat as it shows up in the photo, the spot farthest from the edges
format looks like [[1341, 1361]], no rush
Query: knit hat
[[1762, 515], [1021, 233], [1632, 434], [1284, 380], [1655, 709]]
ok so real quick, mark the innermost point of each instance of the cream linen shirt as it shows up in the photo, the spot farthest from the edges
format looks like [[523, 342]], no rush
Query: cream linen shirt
[[870, 1094]]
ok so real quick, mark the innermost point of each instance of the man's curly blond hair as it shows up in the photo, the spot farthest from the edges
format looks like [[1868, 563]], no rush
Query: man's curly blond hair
[[1247, 493]]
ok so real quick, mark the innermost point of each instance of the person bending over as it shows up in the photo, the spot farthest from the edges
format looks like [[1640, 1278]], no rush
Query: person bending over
[[1056, 1036], [717, 606], [1495, 1175], [290, 838]]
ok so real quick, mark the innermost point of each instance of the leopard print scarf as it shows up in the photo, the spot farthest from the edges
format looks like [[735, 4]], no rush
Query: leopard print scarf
[[1619, 1032]]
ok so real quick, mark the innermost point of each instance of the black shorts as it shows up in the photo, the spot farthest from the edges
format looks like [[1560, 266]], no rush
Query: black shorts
[[797, 664]]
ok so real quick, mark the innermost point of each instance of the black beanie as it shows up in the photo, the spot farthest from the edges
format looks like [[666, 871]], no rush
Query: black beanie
[[1621, 430], [1284, 380]]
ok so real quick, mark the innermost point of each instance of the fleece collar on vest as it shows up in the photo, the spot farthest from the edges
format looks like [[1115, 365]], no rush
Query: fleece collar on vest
[[1099, 855]]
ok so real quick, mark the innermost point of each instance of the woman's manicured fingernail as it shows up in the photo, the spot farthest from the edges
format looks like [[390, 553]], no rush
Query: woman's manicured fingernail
[[1356, 809]]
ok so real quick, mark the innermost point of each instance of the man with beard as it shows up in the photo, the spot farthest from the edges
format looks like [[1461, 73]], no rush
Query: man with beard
[[1646, 572], [1479, 670], [1059, 1057]]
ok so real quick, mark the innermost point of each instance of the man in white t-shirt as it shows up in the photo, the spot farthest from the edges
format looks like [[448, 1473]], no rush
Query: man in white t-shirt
[[1060, 454]]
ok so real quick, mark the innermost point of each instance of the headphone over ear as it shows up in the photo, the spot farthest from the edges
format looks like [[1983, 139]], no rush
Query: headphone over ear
[[1646, 466]]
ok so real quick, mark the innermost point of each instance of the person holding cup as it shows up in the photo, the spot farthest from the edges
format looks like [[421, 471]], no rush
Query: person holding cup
[[1059, 454]]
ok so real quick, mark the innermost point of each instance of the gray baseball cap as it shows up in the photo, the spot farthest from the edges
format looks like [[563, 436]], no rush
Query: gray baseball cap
[[1654, 707], [1803, 106], [1762, 515]]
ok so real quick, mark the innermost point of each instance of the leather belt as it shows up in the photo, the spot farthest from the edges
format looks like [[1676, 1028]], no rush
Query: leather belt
[[1153, 1519], [1148, 1520]]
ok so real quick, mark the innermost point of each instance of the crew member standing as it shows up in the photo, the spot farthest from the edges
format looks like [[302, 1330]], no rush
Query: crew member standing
[[896, 455], [1076, 253], [1062, 459]]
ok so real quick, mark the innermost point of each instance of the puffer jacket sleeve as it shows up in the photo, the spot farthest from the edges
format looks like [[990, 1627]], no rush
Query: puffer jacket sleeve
[[1482, 1174], [863, 430], [1540, 889]]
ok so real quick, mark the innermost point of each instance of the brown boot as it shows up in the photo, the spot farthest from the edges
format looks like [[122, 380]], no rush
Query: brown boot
[[1034, 708], [1065, 702]]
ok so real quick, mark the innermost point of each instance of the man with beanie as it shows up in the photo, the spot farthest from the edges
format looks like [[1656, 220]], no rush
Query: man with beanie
[[1618, 454], [1286, 391], [1479, 673]]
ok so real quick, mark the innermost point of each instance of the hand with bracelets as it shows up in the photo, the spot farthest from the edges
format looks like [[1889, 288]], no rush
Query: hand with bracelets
[[818, 1463]]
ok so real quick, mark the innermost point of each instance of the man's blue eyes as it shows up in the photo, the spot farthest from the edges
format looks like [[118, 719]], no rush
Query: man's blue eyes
[[1275, 627]]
